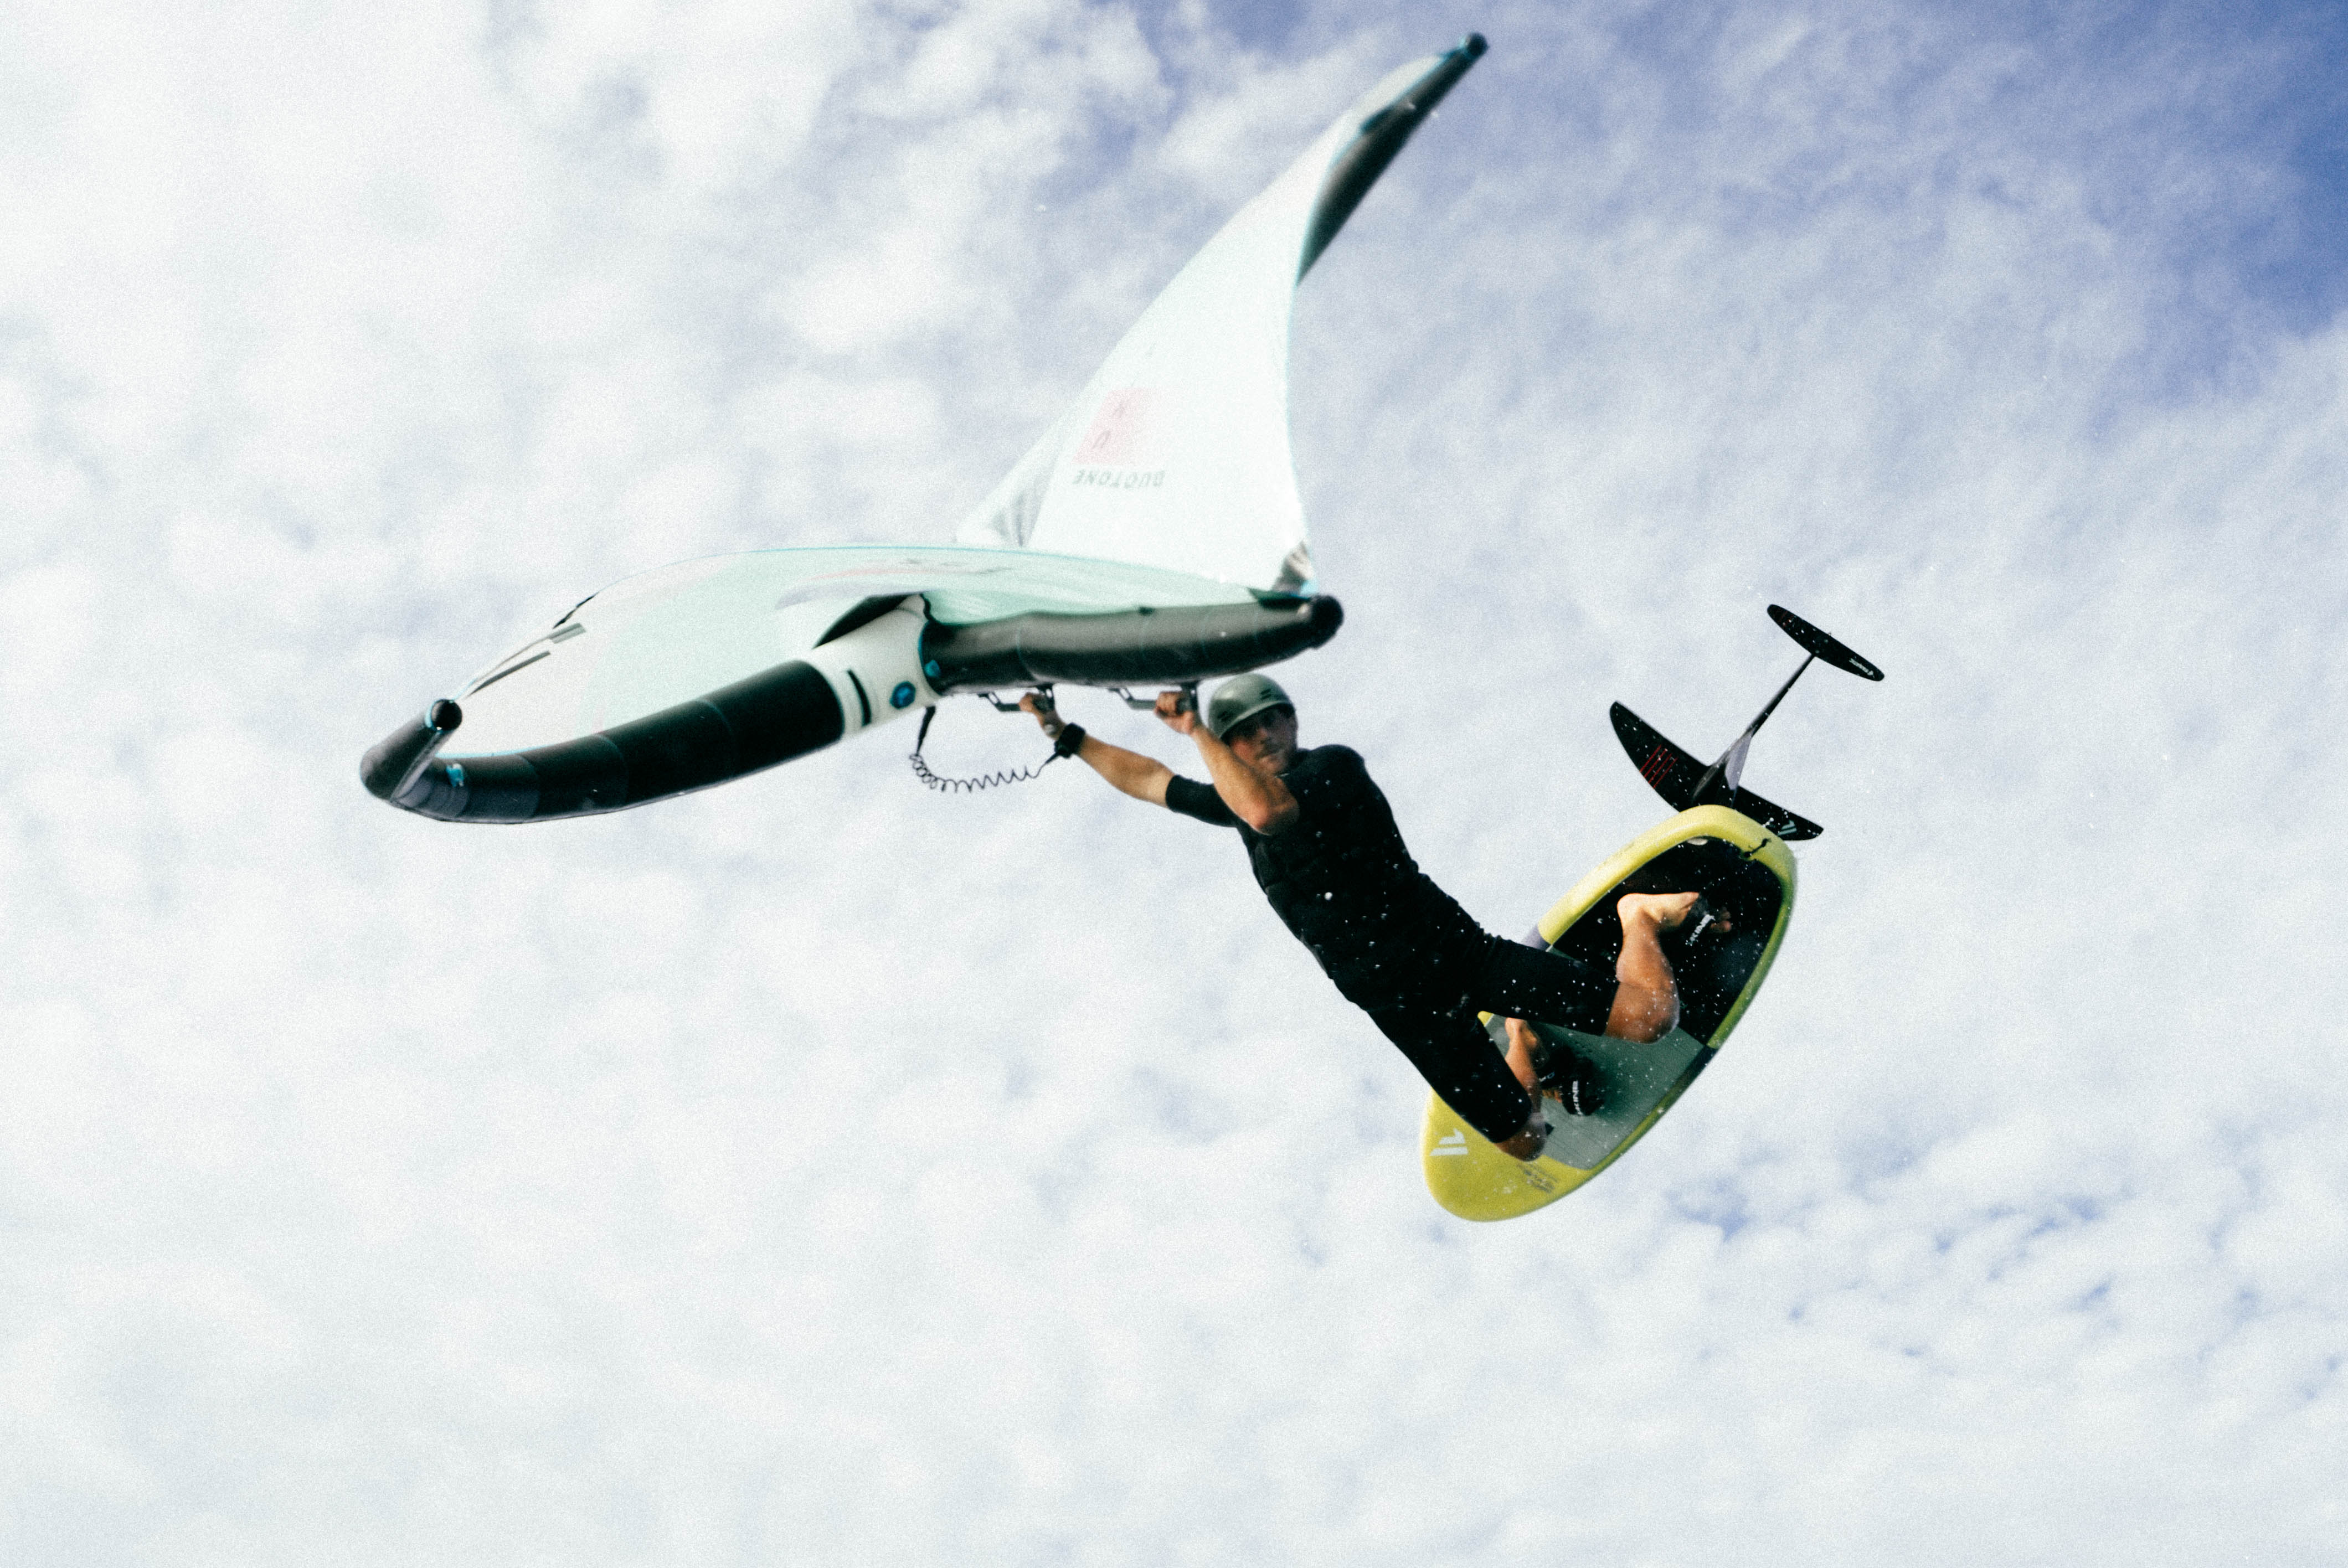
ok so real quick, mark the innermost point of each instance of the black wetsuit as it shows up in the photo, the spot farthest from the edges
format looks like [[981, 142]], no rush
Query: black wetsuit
[[1397, 946]]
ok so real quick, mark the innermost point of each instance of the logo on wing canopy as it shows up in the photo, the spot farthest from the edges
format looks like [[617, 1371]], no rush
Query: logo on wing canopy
[[1122, 439]]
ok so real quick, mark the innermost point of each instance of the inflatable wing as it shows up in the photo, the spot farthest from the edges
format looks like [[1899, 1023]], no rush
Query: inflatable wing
[[1154, 536]]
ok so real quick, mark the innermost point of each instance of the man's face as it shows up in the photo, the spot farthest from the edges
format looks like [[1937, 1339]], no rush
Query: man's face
[[1265, 740]]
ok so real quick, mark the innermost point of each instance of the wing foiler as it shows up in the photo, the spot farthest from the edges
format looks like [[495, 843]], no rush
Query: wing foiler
[[1729, 845], [1153, 535]]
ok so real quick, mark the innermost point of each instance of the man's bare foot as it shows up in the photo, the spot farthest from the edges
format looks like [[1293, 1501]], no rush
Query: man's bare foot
[[1657, 911], [1573, 1084], [1528, 1142], [1534, 1135], [1521, 1041]]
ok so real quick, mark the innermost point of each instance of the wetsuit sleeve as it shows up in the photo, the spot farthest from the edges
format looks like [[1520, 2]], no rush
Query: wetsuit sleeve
[[1194, 799]]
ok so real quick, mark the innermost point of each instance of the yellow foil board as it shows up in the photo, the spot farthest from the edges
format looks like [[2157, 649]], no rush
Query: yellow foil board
[[1739, 865]]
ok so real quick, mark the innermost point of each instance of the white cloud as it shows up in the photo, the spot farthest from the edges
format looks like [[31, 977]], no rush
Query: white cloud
[[817, 1169]]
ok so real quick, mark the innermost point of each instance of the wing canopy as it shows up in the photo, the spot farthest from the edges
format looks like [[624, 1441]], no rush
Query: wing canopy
[[1176, 454]]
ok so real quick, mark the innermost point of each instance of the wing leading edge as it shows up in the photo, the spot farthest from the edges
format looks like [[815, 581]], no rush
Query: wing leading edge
[[709, 671]]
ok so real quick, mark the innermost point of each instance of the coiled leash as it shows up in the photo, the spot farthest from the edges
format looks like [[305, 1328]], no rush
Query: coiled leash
[[1071, 737]]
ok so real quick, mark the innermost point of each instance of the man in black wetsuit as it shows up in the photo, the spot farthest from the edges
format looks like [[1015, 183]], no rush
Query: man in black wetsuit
[[1326, 850]]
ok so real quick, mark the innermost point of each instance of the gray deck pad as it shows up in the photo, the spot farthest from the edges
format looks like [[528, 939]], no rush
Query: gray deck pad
[[1635, 1076]]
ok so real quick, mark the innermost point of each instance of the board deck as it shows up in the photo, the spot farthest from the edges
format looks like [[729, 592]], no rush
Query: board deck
[[1743, 868]]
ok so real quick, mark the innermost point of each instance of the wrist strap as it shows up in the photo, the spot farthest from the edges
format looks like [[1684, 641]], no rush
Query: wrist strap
[[1071, 737]]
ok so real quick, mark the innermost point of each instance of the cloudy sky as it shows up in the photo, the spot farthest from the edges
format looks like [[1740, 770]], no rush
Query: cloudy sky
[[819, 1170]]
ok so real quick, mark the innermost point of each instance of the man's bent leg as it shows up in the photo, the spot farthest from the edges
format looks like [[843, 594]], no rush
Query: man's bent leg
[[1647, 998], [1521, 981], [1640, 1002], [1456, 1057], [1517, 981]]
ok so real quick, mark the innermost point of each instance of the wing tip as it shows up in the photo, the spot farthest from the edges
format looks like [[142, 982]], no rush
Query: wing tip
[[392, 763]]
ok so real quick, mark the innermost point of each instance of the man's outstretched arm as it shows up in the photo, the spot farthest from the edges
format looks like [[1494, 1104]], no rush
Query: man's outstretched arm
[[1143, 778]]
